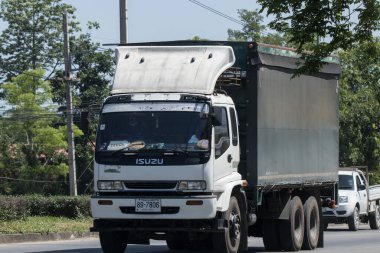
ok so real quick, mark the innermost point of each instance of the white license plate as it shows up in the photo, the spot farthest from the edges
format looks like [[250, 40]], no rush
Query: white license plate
[[148, 206]]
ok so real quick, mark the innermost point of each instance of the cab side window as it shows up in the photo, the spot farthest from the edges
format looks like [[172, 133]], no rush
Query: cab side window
[[362, 178], [234, 127], [222, 135], [358, 183]]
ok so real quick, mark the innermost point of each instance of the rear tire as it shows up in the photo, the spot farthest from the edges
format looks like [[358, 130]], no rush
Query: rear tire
[[354, 220], [374, 218], [312, 223], [113, 242], [292, 230], [229, 241]]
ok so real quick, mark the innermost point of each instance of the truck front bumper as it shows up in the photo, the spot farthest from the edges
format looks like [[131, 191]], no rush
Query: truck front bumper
[[172, 208]]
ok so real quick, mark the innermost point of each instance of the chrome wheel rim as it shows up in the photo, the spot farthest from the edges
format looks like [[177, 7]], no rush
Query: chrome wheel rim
[[356, 217], [234, 228]]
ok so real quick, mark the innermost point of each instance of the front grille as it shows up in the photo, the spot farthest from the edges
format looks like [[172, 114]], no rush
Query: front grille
[[328, 213], [151, 193], [341, 212], [148, 185], [164, 210]]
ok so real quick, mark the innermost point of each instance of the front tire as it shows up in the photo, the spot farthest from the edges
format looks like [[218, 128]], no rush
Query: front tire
[[229, 241], [312, 223], [292, 230], [113, 242], [354, 220], [374, 218]]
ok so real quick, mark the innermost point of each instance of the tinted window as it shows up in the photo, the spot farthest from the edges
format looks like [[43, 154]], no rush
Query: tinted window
[[234, 127], [164, 130], [222, 136], [346, 182]]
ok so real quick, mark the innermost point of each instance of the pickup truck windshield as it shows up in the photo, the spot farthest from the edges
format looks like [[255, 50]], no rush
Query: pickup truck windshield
[[151, 130], [346, 182]]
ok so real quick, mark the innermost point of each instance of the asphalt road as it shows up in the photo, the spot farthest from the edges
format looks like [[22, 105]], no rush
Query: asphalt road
[[338, 239]]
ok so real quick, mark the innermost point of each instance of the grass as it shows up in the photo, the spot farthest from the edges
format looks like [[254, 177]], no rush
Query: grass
[[45, 224]]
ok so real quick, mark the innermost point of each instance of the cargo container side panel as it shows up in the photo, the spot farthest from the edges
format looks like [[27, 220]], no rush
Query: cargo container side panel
[[297, 128]]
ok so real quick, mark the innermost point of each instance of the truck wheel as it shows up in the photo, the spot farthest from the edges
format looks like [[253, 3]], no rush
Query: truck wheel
[[270, 235], [229, 241], [113, 242], [353, 220], [292, 230], [374, 218], [312, 223]]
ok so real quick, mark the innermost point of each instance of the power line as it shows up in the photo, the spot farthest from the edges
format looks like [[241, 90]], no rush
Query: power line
[[217, 12]]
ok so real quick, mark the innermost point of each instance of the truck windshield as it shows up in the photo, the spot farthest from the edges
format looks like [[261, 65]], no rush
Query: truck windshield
[[346, 182], [150, 130]]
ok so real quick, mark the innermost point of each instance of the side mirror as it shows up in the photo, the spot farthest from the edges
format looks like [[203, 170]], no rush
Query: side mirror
[[361, 187]]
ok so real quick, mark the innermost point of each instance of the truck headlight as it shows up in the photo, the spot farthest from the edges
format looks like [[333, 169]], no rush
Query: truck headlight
[[343, 199], [192, 185], [110, 185]]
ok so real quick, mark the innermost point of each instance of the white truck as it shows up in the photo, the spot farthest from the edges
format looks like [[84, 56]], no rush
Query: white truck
[[357, 202], [203, 144]]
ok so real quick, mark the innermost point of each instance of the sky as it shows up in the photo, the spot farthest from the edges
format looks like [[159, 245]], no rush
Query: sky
[[159, 20]]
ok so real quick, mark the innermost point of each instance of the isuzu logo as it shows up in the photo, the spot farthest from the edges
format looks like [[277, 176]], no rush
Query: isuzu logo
[[153, 161]]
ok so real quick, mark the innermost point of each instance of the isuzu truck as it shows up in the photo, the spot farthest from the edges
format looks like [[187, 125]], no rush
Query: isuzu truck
[[203, 144]]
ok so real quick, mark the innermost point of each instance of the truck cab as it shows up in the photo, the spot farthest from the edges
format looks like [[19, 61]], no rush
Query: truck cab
[[175, 144]]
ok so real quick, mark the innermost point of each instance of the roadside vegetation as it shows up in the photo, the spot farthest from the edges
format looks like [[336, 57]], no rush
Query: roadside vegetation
[[45, 224], [44, 214]]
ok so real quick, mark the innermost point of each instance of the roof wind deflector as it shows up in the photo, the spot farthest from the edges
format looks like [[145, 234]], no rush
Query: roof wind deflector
[[177, 69]]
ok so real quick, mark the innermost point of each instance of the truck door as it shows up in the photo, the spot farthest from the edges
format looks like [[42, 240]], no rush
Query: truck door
[[222, 143], [363, 198]]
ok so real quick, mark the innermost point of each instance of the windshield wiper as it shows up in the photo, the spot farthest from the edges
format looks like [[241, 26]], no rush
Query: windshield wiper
[[164, 150], [126, 149]]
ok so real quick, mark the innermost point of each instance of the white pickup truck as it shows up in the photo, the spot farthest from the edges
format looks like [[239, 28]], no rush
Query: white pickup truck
[[358, 202]]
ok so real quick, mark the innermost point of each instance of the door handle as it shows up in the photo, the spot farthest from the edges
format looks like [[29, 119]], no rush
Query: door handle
[[229, 158]]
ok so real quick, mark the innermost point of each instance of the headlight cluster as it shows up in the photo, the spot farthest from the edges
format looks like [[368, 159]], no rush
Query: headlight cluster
[[343, 199], [191, 185], [110, 185]]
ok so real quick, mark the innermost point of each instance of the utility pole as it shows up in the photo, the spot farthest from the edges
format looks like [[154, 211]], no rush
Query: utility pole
[[69, 110], [123, 21]]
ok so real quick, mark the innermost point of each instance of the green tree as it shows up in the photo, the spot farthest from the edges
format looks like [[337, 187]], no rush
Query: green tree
[[360, 106], [94, 67], [33, 37], [254, 30], [33, 142], [338, 25]]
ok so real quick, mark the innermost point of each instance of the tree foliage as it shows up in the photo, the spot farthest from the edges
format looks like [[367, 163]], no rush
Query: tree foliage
[[33, 137], [93, 66], [360, 106], [33, 37], [32, 140], [337, 24], [254, 30]]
